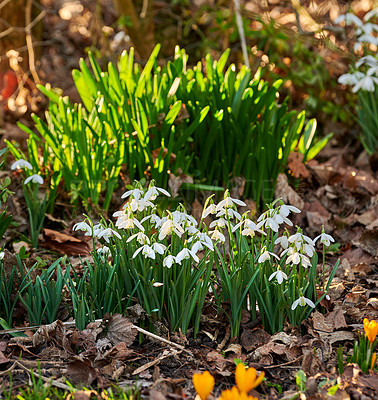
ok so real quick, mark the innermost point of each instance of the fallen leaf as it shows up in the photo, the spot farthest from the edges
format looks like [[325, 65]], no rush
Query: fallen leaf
[[64, 244], [296, 166], [287, 193], [175, 182], [81, 373], [369, 242], [120, 329]]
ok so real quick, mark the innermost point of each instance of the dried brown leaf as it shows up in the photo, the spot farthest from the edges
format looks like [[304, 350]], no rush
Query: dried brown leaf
[[296, 166], [120, 329], [81, 373], [64, 244]]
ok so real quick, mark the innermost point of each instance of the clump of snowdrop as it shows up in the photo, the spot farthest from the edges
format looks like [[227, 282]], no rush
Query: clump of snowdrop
[[363, 76], [167, 259]]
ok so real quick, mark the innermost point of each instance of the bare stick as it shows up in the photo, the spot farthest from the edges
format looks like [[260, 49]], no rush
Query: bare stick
[[239, 23], [29, 41]]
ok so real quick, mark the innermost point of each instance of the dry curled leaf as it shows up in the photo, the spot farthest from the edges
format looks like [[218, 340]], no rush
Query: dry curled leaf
[[81, 373], [120, 329], [296, 166], [64, 244]]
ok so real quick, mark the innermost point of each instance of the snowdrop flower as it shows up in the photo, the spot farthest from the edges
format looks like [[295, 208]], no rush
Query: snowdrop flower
[[369, 60], [272, 224], [229, 212], [279, 275], [211, 209], [20, 164], [126, 221], [328, 297], [140, 205], [366, 29], [34, 178], [294, 256], [159, 248], [185, 254], [157, 284], [217, 235], [83, 226], [249, 227], [280, 219], [155, 219], [169, 261], [302, 301], [168, 227], [154, 192], [283, 241], [218, 223], [264, 256], [325, 239], [366, 83], [183, 218], [366, 38], [202, 238], [136, 193], [140, 237], [351, 79], [1, 255], [284, 210], [146, 250], [370, 14], [104, 251], [349, 19], [106, 234], [228, 201]]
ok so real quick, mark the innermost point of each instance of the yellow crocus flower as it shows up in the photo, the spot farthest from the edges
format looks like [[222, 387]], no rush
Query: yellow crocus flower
[[203, 383]]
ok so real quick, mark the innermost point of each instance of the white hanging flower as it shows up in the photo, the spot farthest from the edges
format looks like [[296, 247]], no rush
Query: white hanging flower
[[153, 192], [140, 237], [218, 223], [325, 239], [211, 209], [229, 212], [126, 221], [228, 201], [369, 60], [140, 205], [302, 301], [34, 178], [136, 193], [83, 226], [20, 164], [217, 235], [155, 219], [108, 233], [279, 275], [1, 255], [168, 227], [159, 248], [97, 229], [169, 261], [367, 83], [157, 284], [104, 251], [146, 250], [185, 254], [272, 224], [202, 238], [264, 256], [284, 210], [349, 19], [370, 14], [283, 241]]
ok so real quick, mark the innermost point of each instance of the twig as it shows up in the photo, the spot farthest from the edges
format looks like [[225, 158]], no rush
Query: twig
[[51, 381], [4, 3], [154, 362], [72, 323], [282, 365], [239, 23], [29, 41]]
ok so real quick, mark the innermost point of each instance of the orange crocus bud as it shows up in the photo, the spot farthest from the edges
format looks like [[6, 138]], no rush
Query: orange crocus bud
[[247, 379], [234, 394], [203, 383], [373, 359], [371, 329]]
